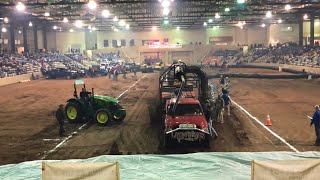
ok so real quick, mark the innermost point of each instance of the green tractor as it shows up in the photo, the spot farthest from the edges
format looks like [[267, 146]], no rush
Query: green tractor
[[88, 106]]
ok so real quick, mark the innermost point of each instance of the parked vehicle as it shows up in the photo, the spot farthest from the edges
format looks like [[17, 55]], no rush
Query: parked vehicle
[[61, 73]]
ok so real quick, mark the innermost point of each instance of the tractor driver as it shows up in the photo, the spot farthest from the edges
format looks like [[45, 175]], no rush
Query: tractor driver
[[84, 94]]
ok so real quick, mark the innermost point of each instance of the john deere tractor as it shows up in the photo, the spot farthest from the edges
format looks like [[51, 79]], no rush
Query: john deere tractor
[[88, 106]]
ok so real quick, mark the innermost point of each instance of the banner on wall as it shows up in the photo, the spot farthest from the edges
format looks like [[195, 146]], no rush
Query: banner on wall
[[96, 170], [285, 169]]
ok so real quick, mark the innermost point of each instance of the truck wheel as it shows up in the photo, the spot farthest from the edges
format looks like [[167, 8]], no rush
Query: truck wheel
[[102, 117], [73, 112]]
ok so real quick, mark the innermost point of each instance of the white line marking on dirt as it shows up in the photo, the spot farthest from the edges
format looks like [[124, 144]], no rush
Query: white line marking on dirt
[[265, 127], [81, 127], [130, 87], [51, 139]]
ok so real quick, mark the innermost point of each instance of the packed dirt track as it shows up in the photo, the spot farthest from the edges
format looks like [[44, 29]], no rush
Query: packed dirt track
[[29, 129]]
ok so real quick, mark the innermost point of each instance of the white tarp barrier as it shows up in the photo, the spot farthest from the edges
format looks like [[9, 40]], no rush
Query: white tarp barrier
[[85, 171], [286, 169], [197, 166]]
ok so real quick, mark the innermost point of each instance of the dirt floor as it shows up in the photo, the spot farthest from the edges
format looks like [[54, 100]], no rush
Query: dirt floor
[[29, 131]]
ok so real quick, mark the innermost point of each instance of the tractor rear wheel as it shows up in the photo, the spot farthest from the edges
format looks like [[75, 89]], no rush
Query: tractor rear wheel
[[102, 117], [73, 112]]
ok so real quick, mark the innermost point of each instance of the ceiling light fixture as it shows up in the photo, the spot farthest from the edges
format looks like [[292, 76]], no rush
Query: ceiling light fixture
[[105, 13], [287, 7], [4, 29], [154, 28], [205, 24], [217, 16], [20, 6], [210, 20], [305, 16], [30, 23], [178, 28], [92, 4], [71, 30], [47, 14], [6, 20], [55, 27], [263, 25], [227, 9], [65, 20], [78, 23], [241, 1], [165, 3], [19, 32], [115, 19], [268, 14], [280, 21], [166, 11]]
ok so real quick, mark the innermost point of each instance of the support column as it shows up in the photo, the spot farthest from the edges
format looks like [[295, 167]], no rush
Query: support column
[[301, 33], [1, 38], [45, 43], [35, 38], [25, 40], [312, 30], [12, 39]]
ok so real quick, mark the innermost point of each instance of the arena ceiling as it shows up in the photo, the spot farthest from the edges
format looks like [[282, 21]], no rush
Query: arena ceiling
[[145, 14]]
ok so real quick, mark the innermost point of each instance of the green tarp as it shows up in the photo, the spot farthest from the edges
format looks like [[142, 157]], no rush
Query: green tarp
[[218, 165]]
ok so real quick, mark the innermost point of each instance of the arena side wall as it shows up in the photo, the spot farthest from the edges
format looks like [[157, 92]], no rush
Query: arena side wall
[[293, 67], [14, 79]]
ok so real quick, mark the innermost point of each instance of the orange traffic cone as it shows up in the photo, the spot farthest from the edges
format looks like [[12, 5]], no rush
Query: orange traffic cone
[[268, 122]]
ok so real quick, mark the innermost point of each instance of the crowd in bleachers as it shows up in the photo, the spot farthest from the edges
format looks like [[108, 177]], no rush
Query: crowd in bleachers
[[108, 56], [289, 53]]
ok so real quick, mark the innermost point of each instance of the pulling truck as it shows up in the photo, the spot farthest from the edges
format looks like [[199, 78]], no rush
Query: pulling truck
[[185, 103]]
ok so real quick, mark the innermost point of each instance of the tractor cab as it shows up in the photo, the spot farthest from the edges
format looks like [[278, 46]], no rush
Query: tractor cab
[[84, 94]]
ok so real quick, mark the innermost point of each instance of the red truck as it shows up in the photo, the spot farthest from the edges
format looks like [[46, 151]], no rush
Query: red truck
[[184, 102]]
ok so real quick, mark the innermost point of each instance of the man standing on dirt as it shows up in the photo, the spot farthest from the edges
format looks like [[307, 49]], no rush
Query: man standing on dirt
[[316, 121], [61, 117], [227, 101]]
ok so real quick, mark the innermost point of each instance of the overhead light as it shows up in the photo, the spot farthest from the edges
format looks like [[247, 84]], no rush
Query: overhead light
[[166, 11], [217, 16], [55, 27], [280, 21], [20, 6], [6, 20], [287, 7], [65, 20], [227, 9], [60, 30], [154, 28], [166, 22], [263, 25], [205, 24], [92, 4], [78, 23], [46, 14], [241, 1], [105, 13], [94, 28], [30, 23], [305, 16], [165, 3], [210, 20], [127, 26], [89, 27], [71, 30], [4, 29], [241, 27], [19, 32], [268, 14], [122, 23], [115, 19], [178, 28]]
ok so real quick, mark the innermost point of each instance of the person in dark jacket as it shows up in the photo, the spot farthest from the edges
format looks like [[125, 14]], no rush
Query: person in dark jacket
[[316, 122], [60, 116]]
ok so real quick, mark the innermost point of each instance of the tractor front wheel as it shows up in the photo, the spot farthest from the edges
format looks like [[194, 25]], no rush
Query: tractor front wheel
[[102, 117], [73, 112]]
